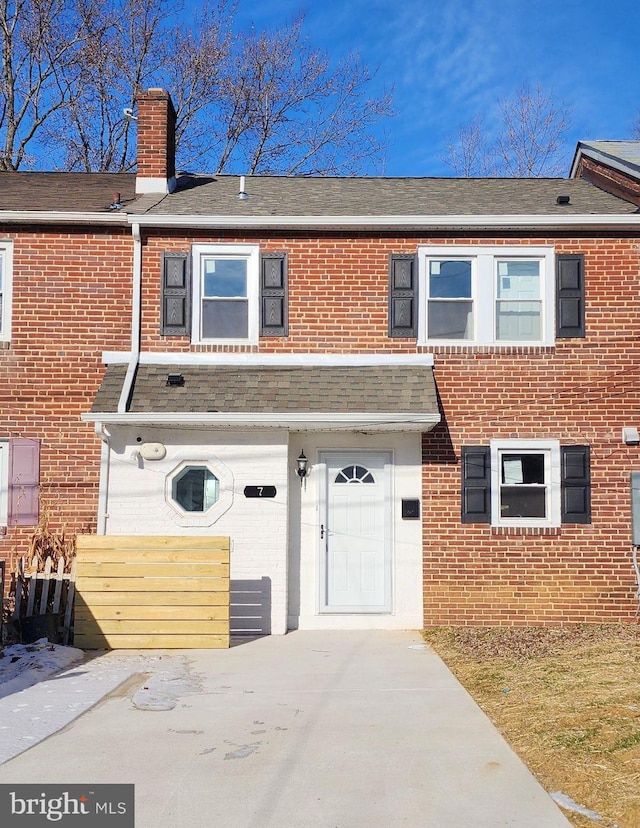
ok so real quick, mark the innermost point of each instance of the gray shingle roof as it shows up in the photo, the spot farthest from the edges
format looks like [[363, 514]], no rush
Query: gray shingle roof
[[268, 390], [66, 192], [305, 196]]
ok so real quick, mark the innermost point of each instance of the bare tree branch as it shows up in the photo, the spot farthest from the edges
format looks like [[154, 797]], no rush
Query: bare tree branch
[[255, 102], [529, 142]]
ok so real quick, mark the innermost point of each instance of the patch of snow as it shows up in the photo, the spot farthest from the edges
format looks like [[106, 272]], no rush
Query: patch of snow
[[23, 665], [44, 687], [566, 802]]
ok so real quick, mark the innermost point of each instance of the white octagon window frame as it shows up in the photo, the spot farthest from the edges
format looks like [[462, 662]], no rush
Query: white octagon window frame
[[484, 290], [222, 504], [247, 252]]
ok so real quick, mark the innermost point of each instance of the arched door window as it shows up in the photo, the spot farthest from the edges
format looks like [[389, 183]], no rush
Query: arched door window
[[354, 474]]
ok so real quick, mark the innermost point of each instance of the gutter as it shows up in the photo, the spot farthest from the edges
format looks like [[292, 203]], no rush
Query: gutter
[[321, 420], [59, 217], [407, 222]]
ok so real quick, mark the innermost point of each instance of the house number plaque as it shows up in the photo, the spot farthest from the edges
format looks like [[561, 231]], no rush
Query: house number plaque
[[259, 491]]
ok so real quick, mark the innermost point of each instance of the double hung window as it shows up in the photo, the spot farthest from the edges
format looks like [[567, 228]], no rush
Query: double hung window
[[526, 483], [486, 295], [226, 293]]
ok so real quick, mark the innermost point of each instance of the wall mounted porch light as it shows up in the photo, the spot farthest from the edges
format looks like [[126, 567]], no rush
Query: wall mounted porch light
[[303, 466]]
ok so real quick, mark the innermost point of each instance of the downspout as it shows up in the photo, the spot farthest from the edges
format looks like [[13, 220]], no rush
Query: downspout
[[136, 302], [103, 488], [103, 434]]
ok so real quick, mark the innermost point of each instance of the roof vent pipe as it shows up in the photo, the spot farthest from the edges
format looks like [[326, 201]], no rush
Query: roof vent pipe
[[242, 195]]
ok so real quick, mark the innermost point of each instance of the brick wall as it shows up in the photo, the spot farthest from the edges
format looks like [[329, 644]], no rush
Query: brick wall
[[581, 391], [71, 301], [72, 292]]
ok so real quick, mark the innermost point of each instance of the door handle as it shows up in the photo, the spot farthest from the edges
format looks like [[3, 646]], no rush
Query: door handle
[[321, 531]]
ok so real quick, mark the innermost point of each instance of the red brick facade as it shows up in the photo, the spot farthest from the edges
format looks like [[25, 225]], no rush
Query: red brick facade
[[72, 300]]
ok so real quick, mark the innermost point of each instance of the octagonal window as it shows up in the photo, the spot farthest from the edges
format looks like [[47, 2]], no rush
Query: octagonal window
[[195, 489]]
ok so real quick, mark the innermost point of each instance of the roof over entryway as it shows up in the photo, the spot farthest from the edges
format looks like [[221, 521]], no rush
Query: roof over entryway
[[372, 397]]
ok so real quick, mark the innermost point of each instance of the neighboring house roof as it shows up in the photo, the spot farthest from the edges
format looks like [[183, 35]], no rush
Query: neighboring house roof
[[71, 197], [324, 196], [621, 155], [282, 396]]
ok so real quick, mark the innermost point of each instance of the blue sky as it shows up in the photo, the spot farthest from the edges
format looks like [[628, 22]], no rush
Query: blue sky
[[451, 59]]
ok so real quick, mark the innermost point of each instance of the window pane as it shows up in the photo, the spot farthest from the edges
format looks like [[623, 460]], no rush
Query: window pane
[[225, 319], [450, 320], [519, 280], [225, 277], [523, 502], [196, 489], [519, 321], [522, 468], [450, 279]]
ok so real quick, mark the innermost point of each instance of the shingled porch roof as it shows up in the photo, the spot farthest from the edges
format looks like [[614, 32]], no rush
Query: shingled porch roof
[[368, 397]]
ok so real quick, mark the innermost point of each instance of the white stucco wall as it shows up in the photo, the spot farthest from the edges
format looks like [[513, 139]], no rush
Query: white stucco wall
[[274, 538], [137, 499], [305, 547]]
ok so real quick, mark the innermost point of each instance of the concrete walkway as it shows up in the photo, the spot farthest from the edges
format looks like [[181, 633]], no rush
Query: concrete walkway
[[310, 730]]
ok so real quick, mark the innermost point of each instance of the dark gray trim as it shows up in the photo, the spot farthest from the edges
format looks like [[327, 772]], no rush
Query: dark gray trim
[[570, 296], [274, 294], [575, 484], [476, 484], [175, 295], [403, 295]]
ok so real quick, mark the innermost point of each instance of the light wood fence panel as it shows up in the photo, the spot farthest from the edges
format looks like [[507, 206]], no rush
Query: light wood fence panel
[[151, 592]]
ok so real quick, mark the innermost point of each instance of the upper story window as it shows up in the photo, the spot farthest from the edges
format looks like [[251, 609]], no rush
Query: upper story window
[[486, 295], [5, 290], [226, 294]]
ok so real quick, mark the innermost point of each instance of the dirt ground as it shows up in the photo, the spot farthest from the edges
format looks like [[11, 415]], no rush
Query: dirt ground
[[567, 699]]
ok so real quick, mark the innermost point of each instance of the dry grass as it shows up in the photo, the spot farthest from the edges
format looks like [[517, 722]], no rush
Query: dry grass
[[567, 699]]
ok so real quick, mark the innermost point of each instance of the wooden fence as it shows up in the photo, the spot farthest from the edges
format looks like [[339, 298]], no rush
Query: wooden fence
[[35, 596], [151, 592]]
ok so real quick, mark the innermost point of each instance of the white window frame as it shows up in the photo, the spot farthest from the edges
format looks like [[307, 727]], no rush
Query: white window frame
[[484, 290], [6, 267], [249, 252], [551, 451], [4, 482]]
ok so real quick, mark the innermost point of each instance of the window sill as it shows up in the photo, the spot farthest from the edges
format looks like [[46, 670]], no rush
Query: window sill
[[477, 349], [534, 531]]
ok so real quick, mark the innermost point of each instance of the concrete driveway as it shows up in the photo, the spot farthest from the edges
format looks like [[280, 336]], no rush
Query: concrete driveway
[[309, 730]]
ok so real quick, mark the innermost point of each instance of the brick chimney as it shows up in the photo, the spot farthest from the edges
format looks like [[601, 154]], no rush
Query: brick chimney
[[156, 142]]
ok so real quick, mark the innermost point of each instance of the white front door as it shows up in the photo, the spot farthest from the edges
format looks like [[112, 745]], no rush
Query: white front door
[[355, 532]]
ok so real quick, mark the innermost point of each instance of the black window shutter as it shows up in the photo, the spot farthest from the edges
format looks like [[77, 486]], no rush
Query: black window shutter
[[476, 484], [274, 295], [175, 314], [403, 295], [570, 298], [575, 484]]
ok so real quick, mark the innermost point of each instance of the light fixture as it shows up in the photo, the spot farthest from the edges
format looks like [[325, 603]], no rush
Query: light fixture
[[303, 466], [175, 380], [630, 436], [242, 193]]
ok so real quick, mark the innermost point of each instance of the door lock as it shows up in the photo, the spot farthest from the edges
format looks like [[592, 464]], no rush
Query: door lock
[[321, 531]]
